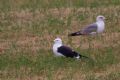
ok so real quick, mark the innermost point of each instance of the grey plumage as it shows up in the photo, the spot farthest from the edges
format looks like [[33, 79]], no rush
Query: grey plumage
[[97, 27], [87, 30]]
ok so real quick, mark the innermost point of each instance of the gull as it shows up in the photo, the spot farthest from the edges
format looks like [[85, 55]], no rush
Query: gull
[[60, 50], [92, 29]]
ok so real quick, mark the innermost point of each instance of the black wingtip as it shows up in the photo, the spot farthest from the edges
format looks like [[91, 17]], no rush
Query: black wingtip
[[75, 34], [72, 34], [84, 56]]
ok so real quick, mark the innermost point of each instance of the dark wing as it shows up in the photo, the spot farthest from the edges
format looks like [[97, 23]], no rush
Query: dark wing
[[66, 51], [87, 30]]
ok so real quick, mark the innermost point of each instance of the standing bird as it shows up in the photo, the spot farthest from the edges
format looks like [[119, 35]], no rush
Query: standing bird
[[97, 27], [60, 50]]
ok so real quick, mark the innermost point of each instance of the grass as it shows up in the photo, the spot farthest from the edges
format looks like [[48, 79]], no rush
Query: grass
[[37, 4], [29, 27]]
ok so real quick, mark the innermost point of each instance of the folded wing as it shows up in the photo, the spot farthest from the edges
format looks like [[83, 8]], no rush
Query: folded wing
[[85, 31], [66, 51]]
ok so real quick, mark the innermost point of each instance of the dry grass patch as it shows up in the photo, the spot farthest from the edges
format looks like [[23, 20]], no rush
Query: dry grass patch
[[27, 38]]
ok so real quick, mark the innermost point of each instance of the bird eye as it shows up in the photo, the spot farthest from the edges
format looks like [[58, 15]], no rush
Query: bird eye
[[101, 17]]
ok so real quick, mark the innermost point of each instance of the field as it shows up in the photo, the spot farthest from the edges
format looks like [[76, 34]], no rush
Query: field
[[28, 28]]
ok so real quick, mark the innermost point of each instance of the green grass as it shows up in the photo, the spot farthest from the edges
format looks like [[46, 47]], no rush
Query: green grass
[[48, 64], [27, 31], [38, 4]]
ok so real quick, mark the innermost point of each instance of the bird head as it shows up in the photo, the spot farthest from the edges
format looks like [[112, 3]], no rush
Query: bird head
[[100, 18], [58, 40]]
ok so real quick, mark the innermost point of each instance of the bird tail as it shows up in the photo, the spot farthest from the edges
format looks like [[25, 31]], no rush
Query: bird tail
[[88, 58], [79, 55], [84, 57], [75, 34]]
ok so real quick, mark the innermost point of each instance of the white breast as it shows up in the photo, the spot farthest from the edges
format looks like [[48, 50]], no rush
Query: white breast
[[101, 26], [55, 48]]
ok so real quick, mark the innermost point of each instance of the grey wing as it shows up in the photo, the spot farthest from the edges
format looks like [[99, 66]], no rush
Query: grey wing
[[90, 28]]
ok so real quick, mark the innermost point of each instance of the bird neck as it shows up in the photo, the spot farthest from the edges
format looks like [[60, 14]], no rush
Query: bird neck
[[101, 26], [57, 44], [100, 22]]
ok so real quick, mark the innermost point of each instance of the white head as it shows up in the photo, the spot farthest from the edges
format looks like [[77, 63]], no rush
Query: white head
[[58, 40], [100, 18]]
